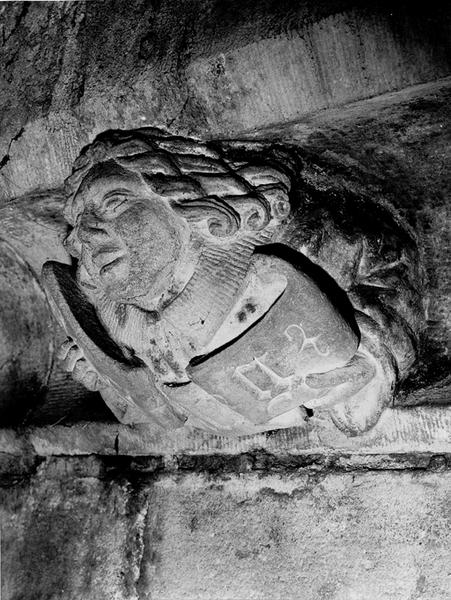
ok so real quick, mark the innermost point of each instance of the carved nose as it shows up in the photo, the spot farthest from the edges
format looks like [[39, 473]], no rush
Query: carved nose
[[72, 244]]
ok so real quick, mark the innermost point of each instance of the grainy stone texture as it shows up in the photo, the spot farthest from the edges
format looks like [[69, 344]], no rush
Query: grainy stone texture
[[73, 69], [399, 432], [278, 538], [68, 535], [273, 523], [82, 530], [26, 338], [281, 316], [395, 148]]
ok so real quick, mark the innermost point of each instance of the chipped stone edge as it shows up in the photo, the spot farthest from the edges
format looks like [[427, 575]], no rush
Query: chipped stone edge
[[424, 429]]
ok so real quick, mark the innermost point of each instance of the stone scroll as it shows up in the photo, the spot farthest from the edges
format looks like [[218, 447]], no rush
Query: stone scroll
[[207, 290]]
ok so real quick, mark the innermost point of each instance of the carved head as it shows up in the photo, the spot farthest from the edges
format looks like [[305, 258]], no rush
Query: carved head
[[143, 204]]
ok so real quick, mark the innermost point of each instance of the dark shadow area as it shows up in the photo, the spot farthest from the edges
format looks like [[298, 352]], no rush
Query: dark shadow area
[[85, 315], [323, 280]]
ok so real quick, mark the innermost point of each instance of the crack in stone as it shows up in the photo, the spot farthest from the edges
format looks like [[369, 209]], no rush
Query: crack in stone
[[179, 113], [140, 562], [6, 158]]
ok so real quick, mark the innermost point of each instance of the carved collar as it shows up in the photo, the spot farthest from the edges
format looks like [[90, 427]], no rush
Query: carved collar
[[261, 289]]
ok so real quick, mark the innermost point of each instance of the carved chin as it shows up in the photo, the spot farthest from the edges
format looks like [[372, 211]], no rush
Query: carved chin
[[112, 278]]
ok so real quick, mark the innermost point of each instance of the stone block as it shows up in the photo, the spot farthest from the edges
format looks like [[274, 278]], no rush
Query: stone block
[[83, 529]]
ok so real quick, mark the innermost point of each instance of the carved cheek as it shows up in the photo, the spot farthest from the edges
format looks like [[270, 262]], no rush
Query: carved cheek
[[147, 234], [130, 226]]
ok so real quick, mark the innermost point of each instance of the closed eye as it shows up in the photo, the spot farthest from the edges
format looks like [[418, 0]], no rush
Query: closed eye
[[112, 204], [115, 203]]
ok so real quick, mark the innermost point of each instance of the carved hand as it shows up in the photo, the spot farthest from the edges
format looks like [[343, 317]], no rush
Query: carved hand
[[75, 362], [360, 390], [344, 381]]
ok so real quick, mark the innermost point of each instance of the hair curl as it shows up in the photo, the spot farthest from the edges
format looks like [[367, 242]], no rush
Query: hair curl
[[195, 180]]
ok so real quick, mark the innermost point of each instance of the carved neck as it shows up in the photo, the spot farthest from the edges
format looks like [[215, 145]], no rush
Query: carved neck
[[199, 310], [191, 320]]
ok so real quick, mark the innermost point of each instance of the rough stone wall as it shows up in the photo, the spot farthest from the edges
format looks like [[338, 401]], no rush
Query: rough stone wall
[[73, 69], [332, 78], [291, 72], [82, 529], [392, 149]]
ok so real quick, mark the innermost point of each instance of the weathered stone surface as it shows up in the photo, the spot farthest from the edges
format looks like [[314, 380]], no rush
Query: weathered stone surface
[[71, 70], [195, 301], [110, 527], [396, 148], [193, 82], [70, 536], [35, 227], [82, 530], [422, 430], [26, 338], [338, 538], [31, 381], [349, 136], [409, 173]]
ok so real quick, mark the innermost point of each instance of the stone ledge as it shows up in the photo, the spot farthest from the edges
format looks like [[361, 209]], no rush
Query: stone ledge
[[425, 430], [393, 106]]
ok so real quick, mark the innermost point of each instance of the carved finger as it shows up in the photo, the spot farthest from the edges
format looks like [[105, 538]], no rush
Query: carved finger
[[292, 418], [362, 411], [328, 379], [74, 354], [81, 367], [83, 373], [281, 404], [358, 370], [370, 384], [91, 381], [64, 348], [335, 395]]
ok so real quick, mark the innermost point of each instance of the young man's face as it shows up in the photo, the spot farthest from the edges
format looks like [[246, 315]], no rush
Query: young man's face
[[129, 240]]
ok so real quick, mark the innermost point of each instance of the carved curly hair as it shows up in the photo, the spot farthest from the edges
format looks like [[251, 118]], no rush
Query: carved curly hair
[[193, 178]]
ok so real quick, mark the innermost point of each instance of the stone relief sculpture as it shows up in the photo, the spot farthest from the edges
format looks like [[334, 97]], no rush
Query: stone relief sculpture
[[207, 289]]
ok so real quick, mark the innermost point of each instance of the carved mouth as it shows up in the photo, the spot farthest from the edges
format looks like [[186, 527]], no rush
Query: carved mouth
[[111, 261]]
